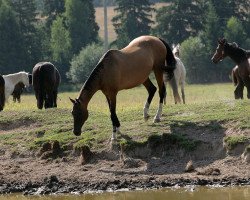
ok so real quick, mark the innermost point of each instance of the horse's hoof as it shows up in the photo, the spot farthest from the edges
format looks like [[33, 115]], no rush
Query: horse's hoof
[[146, 118], [156, 120]]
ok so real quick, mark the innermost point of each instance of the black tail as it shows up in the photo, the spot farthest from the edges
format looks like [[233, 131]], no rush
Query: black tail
[[170, 59]]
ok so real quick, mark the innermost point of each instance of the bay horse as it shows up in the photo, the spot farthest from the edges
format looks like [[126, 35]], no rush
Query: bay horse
[[125, 69], [239, 56], [2, 92], [179, 76], [12, 79], [46, 79], [18, 90]]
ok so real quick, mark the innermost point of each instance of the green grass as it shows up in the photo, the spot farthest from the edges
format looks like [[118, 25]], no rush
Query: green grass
[[209, 107], [232, 141]]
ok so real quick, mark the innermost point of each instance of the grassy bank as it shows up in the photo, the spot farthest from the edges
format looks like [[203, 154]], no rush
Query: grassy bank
[[209, 108]]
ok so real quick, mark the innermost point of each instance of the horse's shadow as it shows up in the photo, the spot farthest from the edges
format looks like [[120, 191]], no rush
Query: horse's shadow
[[169, 153]]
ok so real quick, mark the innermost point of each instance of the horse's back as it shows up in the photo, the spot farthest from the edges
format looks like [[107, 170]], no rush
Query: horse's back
[[45, 75]]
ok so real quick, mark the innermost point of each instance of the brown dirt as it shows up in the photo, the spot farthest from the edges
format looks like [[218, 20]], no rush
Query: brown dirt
[[140, 164]]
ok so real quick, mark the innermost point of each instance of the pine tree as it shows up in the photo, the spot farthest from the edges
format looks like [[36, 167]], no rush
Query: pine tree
[[179, 20], [132, 20], [80, 21], [11, 44], [26, 16]]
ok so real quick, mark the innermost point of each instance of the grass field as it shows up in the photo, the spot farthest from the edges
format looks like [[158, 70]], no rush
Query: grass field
[[209, 107]]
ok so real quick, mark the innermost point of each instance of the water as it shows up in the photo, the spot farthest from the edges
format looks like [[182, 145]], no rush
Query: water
[[191, 193]]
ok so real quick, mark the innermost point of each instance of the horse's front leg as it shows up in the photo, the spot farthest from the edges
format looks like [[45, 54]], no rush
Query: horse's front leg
[[115, 121]]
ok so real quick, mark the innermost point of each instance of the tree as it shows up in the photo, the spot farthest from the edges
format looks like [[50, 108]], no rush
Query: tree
[[82, 64], [60, 45], [179, 20], [212, 29], [26, 16], [235, 31], [11, 44], [132, 20], [80, 22], [52, 8]]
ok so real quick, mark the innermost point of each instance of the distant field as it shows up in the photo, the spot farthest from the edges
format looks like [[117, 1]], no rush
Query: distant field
[[111, 14]]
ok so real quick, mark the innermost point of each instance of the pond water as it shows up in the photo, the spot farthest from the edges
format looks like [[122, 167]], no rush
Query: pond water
[[190, 193]]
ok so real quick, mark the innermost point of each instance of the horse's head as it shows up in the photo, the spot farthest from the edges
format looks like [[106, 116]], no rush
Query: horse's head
[[220, 52], [176, 50], [25, 79], [80, 115]]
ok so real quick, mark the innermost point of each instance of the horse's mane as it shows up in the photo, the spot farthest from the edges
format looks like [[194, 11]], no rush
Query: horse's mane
[[239, 54], [95, 72]]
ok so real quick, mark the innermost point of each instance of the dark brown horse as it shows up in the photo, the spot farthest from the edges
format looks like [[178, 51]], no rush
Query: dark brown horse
[[46, 79], [238, 82], [239, 56], [125, 69], [2, 92], [18, 90]]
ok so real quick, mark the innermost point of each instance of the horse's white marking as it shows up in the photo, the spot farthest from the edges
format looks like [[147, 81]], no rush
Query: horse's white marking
[[114, 134], [157, 117], [145, 111], [12, 79]]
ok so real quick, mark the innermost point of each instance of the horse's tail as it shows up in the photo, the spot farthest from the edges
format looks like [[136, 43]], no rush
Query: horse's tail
[[170, 59], [234, 76], [2, 93]]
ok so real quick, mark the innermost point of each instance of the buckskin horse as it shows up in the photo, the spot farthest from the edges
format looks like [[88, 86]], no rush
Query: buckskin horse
[[2, 92], [46, 79], [125, 69], [239, 56]]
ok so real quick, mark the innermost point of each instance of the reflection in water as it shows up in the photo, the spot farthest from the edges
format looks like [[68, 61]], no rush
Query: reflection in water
[[200, 193]]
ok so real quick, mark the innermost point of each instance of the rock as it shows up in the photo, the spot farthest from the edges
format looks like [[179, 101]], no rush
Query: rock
[[131, 163], [189, 167], [210, 171], [86, 155], [246, 156]]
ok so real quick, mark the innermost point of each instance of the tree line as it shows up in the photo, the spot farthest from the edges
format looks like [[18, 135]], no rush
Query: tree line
[[65, 32]]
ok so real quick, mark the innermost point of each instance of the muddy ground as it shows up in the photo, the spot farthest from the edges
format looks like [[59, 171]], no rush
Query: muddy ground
[[153, 165]]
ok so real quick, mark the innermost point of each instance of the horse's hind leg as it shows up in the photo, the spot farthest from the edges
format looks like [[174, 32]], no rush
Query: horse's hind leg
[[55, 98], [162, 92], [174, 87], [183, 93], [238, 92], [151, 91]]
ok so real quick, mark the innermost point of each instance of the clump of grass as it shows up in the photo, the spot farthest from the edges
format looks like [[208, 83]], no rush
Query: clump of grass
[[232, 141]]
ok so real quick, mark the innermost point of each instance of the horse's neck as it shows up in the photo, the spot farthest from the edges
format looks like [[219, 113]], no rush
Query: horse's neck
[[14, 78], [238, 56], [86, 95]]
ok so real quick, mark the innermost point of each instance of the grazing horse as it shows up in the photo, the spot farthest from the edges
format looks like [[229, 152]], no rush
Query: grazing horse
[[46, 79], [2, 92], [18, 90], [239, 56], [179, 77], [12, 79], [125, 69]]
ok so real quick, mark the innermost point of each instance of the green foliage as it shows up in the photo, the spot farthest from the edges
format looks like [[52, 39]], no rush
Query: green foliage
[[11, 41], [82, 64], [132, 20], [80, 21], [235, 32], [179, 20], [60, 45]]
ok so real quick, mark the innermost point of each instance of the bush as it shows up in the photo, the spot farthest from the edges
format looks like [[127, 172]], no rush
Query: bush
[[82, 64]]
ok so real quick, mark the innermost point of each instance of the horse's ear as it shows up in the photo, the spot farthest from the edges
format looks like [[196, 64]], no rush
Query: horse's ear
[[72, 100], [235, 45]]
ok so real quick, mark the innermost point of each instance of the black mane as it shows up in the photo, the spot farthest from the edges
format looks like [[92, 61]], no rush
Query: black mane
[[236, 53], [95, 72]]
